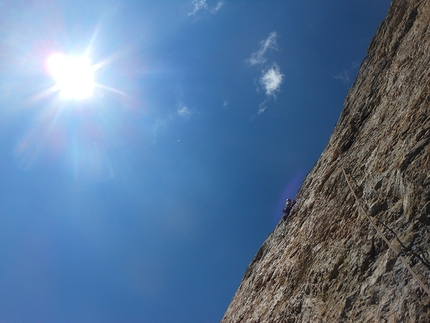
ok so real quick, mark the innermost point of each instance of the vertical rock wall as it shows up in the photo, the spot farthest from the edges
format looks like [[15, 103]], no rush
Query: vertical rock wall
[[326, 263]]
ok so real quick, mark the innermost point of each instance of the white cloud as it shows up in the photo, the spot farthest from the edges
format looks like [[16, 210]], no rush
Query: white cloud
[[258, 56], [198, 5], [183, 111], [272, 79], [217, 7]]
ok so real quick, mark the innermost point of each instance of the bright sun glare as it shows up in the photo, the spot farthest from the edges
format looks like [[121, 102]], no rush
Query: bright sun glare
[[73, 75]]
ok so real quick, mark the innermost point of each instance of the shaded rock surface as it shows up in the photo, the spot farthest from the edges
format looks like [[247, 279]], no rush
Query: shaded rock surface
[[326, 263]]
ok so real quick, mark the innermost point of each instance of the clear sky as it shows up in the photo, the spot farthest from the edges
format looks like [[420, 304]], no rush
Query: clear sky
[[145, 198]]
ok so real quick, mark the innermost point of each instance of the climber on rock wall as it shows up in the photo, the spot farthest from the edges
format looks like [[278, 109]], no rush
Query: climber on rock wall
[[288, 206]]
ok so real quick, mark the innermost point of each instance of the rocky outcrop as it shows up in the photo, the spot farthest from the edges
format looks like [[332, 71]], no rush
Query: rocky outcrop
[[326, 263]]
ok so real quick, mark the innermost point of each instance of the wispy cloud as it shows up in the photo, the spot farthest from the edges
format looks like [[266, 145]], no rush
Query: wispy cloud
[[258, 56], [262, 107], [183, 111], [343, 76], [162, 124], [348, 74], [217, 7], [272, 79], [199, 5]]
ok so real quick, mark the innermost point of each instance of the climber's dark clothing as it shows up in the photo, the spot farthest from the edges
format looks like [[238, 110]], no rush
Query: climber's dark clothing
[[288, 206]]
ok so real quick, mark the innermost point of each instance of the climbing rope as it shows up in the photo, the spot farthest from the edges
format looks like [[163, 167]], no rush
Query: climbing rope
[[381, 234]]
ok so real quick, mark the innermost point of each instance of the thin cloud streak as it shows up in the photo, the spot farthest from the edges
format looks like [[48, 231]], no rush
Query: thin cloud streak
[[258, 56], [262, 107]]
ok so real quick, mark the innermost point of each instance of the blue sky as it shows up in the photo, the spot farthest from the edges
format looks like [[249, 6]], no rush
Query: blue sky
[[146, 201]]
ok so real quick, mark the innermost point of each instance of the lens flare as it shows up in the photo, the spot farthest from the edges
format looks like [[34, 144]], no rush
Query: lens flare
[[76, 99]]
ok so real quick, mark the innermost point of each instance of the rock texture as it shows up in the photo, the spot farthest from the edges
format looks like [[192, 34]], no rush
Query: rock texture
[[326, 263]]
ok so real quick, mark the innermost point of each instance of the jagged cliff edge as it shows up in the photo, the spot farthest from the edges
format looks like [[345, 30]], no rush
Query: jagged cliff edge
[[326, 263]]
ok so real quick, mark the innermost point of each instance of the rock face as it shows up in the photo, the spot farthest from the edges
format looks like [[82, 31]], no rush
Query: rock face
[[326, 263]]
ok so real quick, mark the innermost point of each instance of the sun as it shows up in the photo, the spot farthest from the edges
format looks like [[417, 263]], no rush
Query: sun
[[74, 76]]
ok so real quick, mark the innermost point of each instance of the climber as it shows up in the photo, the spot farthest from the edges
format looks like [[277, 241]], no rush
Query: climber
[[288, 206]]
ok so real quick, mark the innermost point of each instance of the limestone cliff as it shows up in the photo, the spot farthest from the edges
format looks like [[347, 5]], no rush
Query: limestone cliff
[[326, 263]]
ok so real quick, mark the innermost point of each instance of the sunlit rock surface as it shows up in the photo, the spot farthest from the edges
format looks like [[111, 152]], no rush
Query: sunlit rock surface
[[326, 263]]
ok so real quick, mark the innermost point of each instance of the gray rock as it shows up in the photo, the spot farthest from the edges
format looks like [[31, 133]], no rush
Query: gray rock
[[331, 266]]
